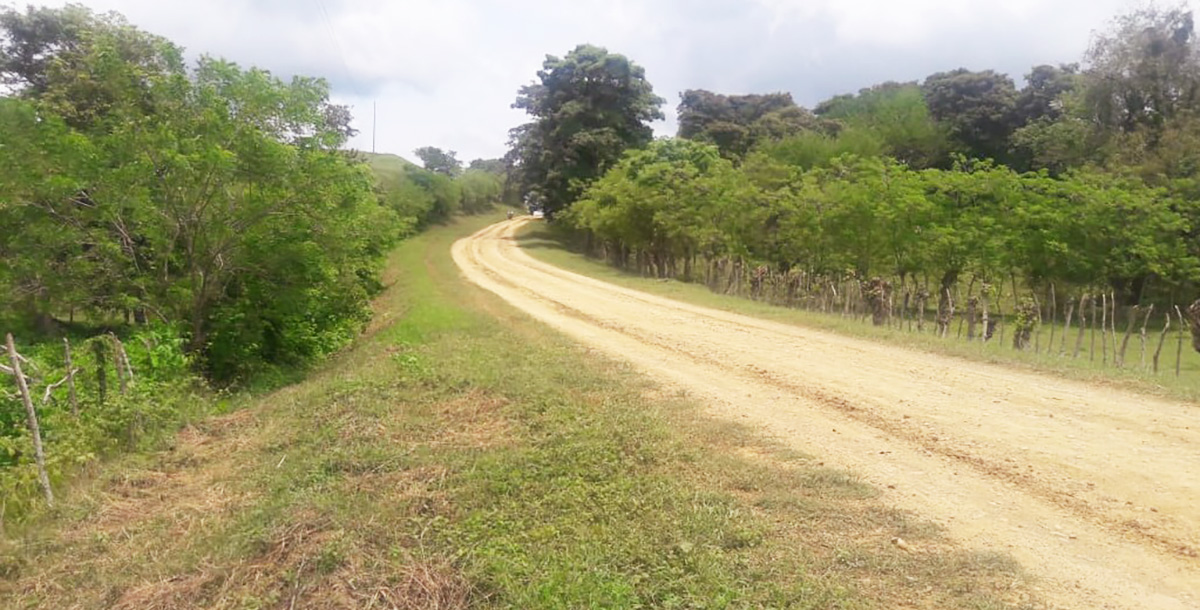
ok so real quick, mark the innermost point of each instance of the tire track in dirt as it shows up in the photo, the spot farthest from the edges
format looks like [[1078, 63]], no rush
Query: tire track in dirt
[[1092, 488]]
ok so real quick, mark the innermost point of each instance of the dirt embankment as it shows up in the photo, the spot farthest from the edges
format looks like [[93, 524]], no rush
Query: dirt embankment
[[1095, 490]]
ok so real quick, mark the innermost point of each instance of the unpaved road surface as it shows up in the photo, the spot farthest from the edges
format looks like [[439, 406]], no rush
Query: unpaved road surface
[[1096, 491]]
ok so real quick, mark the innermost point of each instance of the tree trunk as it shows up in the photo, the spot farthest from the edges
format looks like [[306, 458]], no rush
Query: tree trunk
[[972, 316], [879, 294], [1062, 348], [35, 432], [1193, 314], [946, 304], [922, 305], [1054, 322], [1083, 320], [1026, 322]]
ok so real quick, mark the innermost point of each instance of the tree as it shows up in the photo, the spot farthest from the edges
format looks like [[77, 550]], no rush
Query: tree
[[30, 41], [480, 190], [976, 107], [440, 161], [669, 202], [1044, 89], [1054, 145], [1144, 71], [213, 198], [897, 116], [493, 166], [588, 108], [736, 123]]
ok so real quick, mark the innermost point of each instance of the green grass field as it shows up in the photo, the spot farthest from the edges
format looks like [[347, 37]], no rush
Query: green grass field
[[386, 164], [462, 455], [543, 242]]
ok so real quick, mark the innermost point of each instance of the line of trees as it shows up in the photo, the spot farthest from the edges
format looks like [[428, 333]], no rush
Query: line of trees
[[1083, 181], [193, 222], [207, 197]]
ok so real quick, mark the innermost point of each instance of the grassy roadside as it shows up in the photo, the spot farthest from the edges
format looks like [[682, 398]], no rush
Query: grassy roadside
[[544, 243], [459, 455]]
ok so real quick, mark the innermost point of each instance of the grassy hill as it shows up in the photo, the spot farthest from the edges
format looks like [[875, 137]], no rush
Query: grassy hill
[[385, 164]]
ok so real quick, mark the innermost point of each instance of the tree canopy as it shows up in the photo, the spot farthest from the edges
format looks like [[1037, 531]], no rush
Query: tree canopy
[[978, 109], [441, 161], [736, 123], [587, 108]]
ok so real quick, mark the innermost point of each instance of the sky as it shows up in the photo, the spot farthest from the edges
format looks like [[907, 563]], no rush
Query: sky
[[445, 72]]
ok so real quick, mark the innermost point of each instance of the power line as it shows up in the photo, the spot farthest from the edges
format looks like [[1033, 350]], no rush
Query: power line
[[337, 43], [337, 47]]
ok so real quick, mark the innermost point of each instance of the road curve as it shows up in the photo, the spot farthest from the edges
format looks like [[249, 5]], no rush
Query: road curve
[[1094, 490]]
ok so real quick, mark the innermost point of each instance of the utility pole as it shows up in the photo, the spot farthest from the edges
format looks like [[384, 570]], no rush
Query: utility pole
[[374, 114]]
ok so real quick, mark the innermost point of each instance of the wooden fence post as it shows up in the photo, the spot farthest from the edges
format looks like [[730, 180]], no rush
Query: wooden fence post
[[1133, 313], [1162, 339], [122, 382], [1104, 329], [71, 378], [1112, 300], [101, 372], [39, 455], [1083, 320], [1179, 348], [1092, 339], [1054, 321], [1142, 334]]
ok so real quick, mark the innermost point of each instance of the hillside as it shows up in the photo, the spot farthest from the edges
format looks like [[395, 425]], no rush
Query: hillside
[[386, 164]]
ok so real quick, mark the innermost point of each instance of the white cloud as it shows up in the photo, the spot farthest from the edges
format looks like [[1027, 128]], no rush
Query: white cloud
[[445, 72]]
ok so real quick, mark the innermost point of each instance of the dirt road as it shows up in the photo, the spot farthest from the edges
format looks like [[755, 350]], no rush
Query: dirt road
[[1094, 490]]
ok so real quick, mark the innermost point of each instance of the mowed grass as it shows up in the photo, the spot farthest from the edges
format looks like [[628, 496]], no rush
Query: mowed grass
[[545, 243], [462, 455]]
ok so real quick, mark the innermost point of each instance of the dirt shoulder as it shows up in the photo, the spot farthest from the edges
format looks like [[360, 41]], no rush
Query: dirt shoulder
[[1091, 488]]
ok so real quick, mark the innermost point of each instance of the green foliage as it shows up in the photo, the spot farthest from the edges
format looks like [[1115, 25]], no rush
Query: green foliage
[[420, 197], [162, 395], [481, 190], [1045, 88], [212, 196], [896, 116], [978, 109], [676, 198], [861, 216], [910, 180], [1144, 71], [814, 149], [440, 161], [588, 107], [736, 123]]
